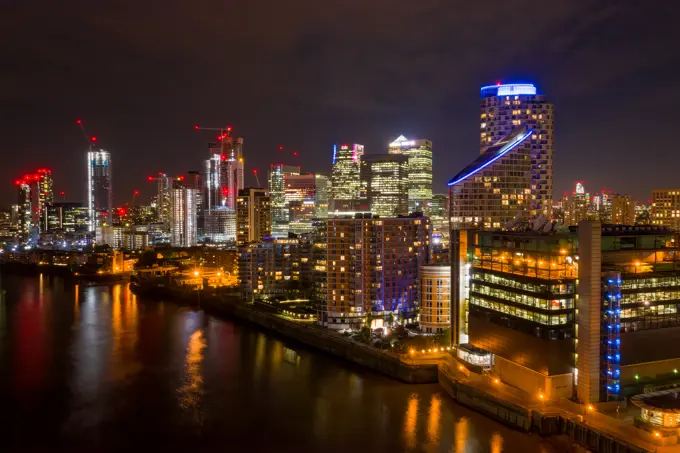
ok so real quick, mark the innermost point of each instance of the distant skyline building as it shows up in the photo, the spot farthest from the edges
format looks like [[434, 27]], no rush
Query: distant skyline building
[[622, 209], [68, 217], [45, 195], [385, 184], [99, 188], [666, 208], [321, 195], [24, 207], [345, 179], [277, 195], [163, 198], [183, 232], [505, 106], [419, 153], [496, 187], [253, 216], [223, 178]]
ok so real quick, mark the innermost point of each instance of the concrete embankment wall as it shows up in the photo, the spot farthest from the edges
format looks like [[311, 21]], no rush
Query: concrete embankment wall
[[332, 343], [503, 411]]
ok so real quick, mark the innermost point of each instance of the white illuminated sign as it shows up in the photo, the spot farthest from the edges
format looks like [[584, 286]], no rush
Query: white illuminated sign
[[511, 90]]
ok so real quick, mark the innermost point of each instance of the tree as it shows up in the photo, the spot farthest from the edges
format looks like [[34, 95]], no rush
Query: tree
[[147, 259], [390, 320]]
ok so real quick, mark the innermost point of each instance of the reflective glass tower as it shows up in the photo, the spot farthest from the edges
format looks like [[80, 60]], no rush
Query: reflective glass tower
[[99, 189], [345, 181], [503, 107], [277, 195], [384, 184], [419, 153]]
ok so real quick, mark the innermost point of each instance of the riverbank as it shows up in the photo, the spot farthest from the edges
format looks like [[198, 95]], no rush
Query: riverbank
[[599, 433], [305, 332]]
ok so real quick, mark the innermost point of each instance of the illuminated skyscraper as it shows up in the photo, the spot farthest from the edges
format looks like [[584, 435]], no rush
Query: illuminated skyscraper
[[253, 216], [277, 194], [345, 180], [504, 107], [223, 178], [496, 187], [183, 231], [384, 184], [45, 195], [321, 194], [99, 188], [666, 208], [163, 198], [419, 154], [25, 206]]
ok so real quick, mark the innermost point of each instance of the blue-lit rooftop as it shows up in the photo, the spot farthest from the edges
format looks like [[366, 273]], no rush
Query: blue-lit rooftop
[[509, 89], [499, 149]]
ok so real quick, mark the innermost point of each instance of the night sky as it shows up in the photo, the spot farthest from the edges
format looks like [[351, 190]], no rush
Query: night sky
[[306, 74]]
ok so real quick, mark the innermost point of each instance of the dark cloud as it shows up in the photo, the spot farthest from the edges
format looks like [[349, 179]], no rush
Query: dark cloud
[[306, 74]]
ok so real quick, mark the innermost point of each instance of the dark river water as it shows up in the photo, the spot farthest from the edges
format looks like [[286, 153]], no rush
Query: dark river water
[[99, 369]]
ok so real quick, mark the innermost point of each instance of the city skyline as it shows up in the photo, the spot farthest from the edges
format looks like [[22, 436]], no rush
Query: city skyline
[[599, 87]]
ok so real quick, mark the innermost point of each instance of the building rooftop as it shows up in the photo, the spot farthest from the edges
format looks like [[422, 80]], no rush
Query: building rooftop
[[508, 89], [664, 400]]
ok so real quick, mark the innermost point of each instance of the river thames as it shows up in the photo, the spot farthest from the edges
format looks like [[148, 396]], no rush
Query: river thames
[[99, 369]]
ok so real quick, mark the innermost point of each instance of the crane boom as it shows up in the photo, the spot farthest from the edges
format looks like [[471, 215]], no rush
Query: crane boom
[[90, 140]]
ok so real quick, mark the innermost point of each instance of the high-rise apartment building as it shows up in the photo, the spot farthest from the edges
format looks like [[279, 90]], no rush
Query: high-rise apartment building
[[345, 179], [183, 232], [273, 267], [99, 188], [253, 216], [194, 180], [622, 209], [163, 201], [385, 184], [666, 208], [496, 187], [419, 153], [373, 268], [278, 173], [25, 206], [223, 178], [504, 107], [45, 195]]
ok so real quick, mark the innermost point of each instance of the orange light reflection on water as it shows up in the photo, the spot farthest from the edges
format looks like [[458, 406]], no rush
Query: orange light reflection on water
[[410, 421]]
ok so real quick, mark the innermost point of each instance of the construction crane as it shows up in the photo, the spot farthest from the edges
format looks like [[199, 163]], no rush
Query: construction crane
[[224, 131], [256, 178], [90, 140]]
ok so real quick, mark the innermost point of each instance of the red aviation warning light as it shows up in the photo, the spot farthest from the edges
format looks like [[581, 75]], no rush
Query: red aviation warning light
[[150, 178], [294, 153], [136, 192], [280, 148]]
